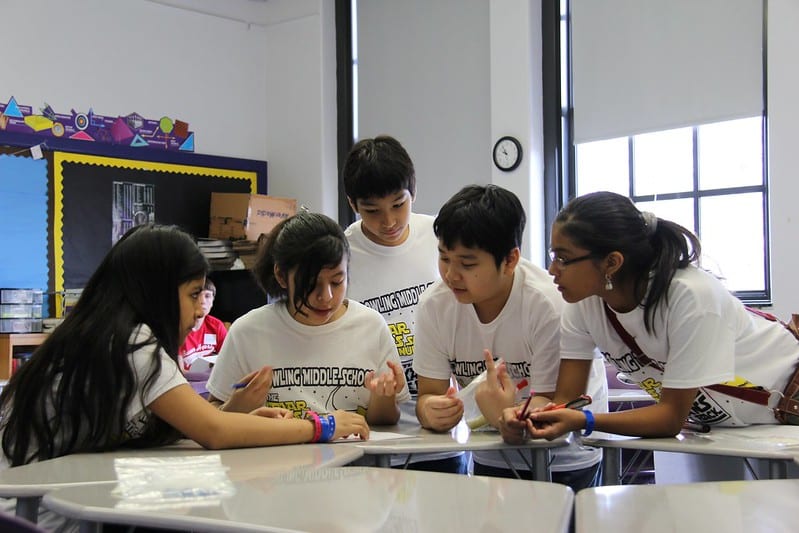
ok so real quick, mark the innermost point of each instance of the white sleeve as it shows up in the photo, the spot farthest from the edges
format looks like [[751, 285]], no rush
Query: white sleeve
[[431, 359], [543, 342], [228, 368], [575, 338]]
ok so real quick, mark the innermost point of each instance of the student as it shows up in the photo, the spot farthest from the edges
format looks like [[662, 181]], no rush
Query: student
[[490, 303], [394, 259], [108, 376], [612, 261], [208, 334], [322, 351]]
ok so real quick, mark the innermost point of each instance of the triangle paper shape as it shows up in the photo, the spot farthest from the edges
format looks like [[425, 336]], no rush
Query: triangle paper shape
[[138, 141], [81, 136], [188, 144], [12, 109]]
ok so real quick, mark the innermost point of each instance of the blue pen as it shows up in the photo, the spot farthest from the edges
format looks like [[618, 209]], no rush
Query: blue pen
[[240, 385]]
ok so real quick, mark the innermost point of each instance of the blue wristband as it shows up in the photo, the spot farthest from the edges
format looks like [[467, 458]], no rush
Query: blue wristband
[[328, 427], [589, 423]]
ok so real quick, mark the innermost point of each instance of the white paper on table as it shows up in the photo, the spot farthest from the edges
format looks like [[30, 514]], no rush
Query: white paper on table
[[376, 436]]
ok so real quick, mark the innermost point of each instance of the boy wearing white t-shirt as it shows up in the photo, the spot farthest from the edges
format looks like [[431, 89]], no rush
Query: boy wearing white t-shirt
[[394, 258], [490, 298]]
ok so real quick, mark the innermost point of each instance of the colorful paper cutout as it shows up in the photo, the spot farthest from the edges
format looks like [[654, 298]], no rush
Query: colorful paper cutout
[[131, 130]]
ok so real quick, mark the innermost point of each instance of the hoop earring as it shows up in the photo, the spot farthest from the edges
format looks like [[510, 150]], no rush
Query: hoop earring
[[608, 283]]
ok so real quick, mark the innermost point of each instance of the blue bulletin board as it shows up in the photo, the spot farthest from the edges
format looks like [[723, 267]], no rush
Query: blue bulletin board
[[23, 223]]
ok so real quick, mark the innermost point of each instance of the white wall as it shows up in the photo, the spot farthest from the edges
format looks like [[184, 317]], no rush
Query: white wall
[[138, 56], [783, 91], [263, 91], [423, 78]]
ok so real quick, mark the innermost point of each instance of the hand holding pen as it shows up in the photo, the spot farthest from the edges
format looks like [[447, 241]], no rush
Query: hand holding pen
[[577, 403], [250, 392]]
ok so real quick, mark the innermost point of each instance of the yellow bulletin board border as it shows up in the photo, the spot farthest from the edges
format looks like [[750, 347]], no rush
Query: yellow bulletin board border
[[59, 158]]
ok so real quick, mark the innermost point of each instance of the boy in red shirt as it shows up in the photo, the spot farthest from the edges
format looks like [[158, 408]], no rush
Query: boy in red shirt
[[207, 336]]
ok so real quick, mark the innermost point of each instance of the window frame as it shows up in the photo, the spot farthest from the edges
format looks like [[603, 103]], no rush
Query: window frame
[[560, 179]]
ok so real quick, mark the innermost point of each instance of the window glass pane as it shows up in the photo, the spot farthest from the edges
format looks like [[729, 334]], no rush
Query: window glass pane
[[680, 211], [603, 166], [663, 162], [731, 153], [732, 239]]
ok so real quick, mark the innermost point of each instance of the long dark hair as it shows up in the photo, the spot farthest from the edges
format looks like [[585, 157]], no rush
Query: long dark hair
[[307, 242], [74, 393], [603, 222]]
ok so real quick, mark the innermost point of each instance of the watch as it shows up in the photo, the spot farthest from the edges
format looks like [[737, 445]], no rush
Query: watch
[[507, 153]]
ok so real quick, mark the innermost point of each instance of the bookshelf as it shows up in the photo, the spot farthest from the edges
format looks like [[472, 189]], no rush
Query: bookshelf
[[8, 341]]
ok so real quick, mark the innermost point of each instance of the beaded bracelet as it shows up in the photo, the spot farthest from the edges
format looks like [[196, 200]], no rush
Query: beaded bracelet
[[317, 422], [328, 428], [589, 423]]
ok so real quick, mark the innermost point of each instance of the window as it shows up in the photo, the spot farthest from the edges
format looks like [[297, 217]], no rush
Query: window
[[709, 177]]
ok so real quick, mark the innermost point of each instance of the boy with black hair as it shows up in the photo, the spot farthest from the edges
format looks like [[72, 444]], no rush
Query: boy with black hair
[[394, 258], [492, 303]]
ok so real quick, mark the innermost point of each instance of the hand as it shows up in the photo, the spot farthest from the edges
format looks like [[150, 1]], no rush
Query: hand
[[350, 424], [513, 430], [253, 394], [273, 412], [442, 412], [548, 423], [496, 392], [388, 383]]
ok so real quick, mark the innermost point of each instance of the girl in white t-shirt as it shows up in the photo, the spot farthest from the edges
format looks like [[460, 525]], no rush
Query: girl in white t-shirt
[[690, 343], [311, 349], [108, 376]]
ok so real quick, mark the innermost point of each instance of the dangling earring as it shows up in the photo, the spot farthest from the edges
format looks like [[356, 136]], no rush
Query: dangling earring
[[608, 283]]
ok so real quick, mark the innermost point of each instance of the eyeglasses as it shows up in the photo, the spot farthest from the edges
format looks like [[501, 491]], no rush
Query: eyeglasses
[[563, 263]]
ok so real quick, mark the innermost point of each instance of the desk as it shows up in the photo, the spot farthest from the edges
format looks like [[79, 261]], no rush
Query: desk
[[30, 482], [628, 396], [343, 499], [460, 438], [731, 506], [7, 343], [775, 443]]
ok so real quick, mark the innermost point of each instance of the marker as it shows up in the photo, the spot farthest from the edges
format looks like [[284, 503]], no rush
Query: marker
[[523, 413], [577, 403], [240, 385]]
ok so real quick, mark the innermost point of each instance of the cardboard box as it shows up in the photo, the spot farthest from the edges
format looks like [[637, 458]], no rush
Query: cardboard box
[[246, 216]]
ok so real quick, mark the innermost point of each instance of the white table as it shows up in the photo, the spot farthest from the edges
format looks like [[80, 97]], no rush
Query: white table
[[725, 506], [460, 438], [621, 397], [30, 482], [343, 499], [775, 443]]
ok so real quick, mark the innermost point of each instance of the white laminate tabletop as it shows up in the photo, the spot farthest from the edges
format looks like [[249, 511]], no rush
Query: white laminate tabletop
[[352, 499], [726, 506], [628, 395], [38, 478], [761, 442]]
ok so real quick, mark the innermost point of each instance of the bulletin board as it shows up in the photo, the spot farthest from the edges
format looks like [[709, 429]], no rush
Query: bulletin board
[[90, 192]]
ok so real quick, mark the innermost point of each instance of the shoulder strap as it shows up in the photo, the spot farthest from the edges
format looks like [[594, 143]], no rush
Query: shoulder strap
[[752, 394], [638, 353]]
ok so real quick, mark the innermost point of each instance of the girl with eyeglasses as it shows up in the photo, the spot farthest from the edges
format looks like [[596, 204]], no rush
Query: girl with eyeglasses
[[637, 293]]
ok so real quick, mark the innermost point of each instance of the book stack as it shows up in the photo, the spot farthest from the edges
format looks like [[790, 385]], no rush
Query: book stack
[[247, 251], [219, 252], [20, 310]]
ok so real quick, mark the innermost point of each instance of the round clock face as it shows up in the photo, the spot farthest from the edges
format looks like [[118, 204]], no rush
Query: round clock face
[[507, 153]]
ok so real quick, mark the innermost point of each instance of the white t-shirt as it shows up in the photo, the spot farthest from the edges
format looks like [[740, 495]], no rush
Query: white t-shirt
[[318, 368], [390, 280], [526, 334], [702, 337]]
